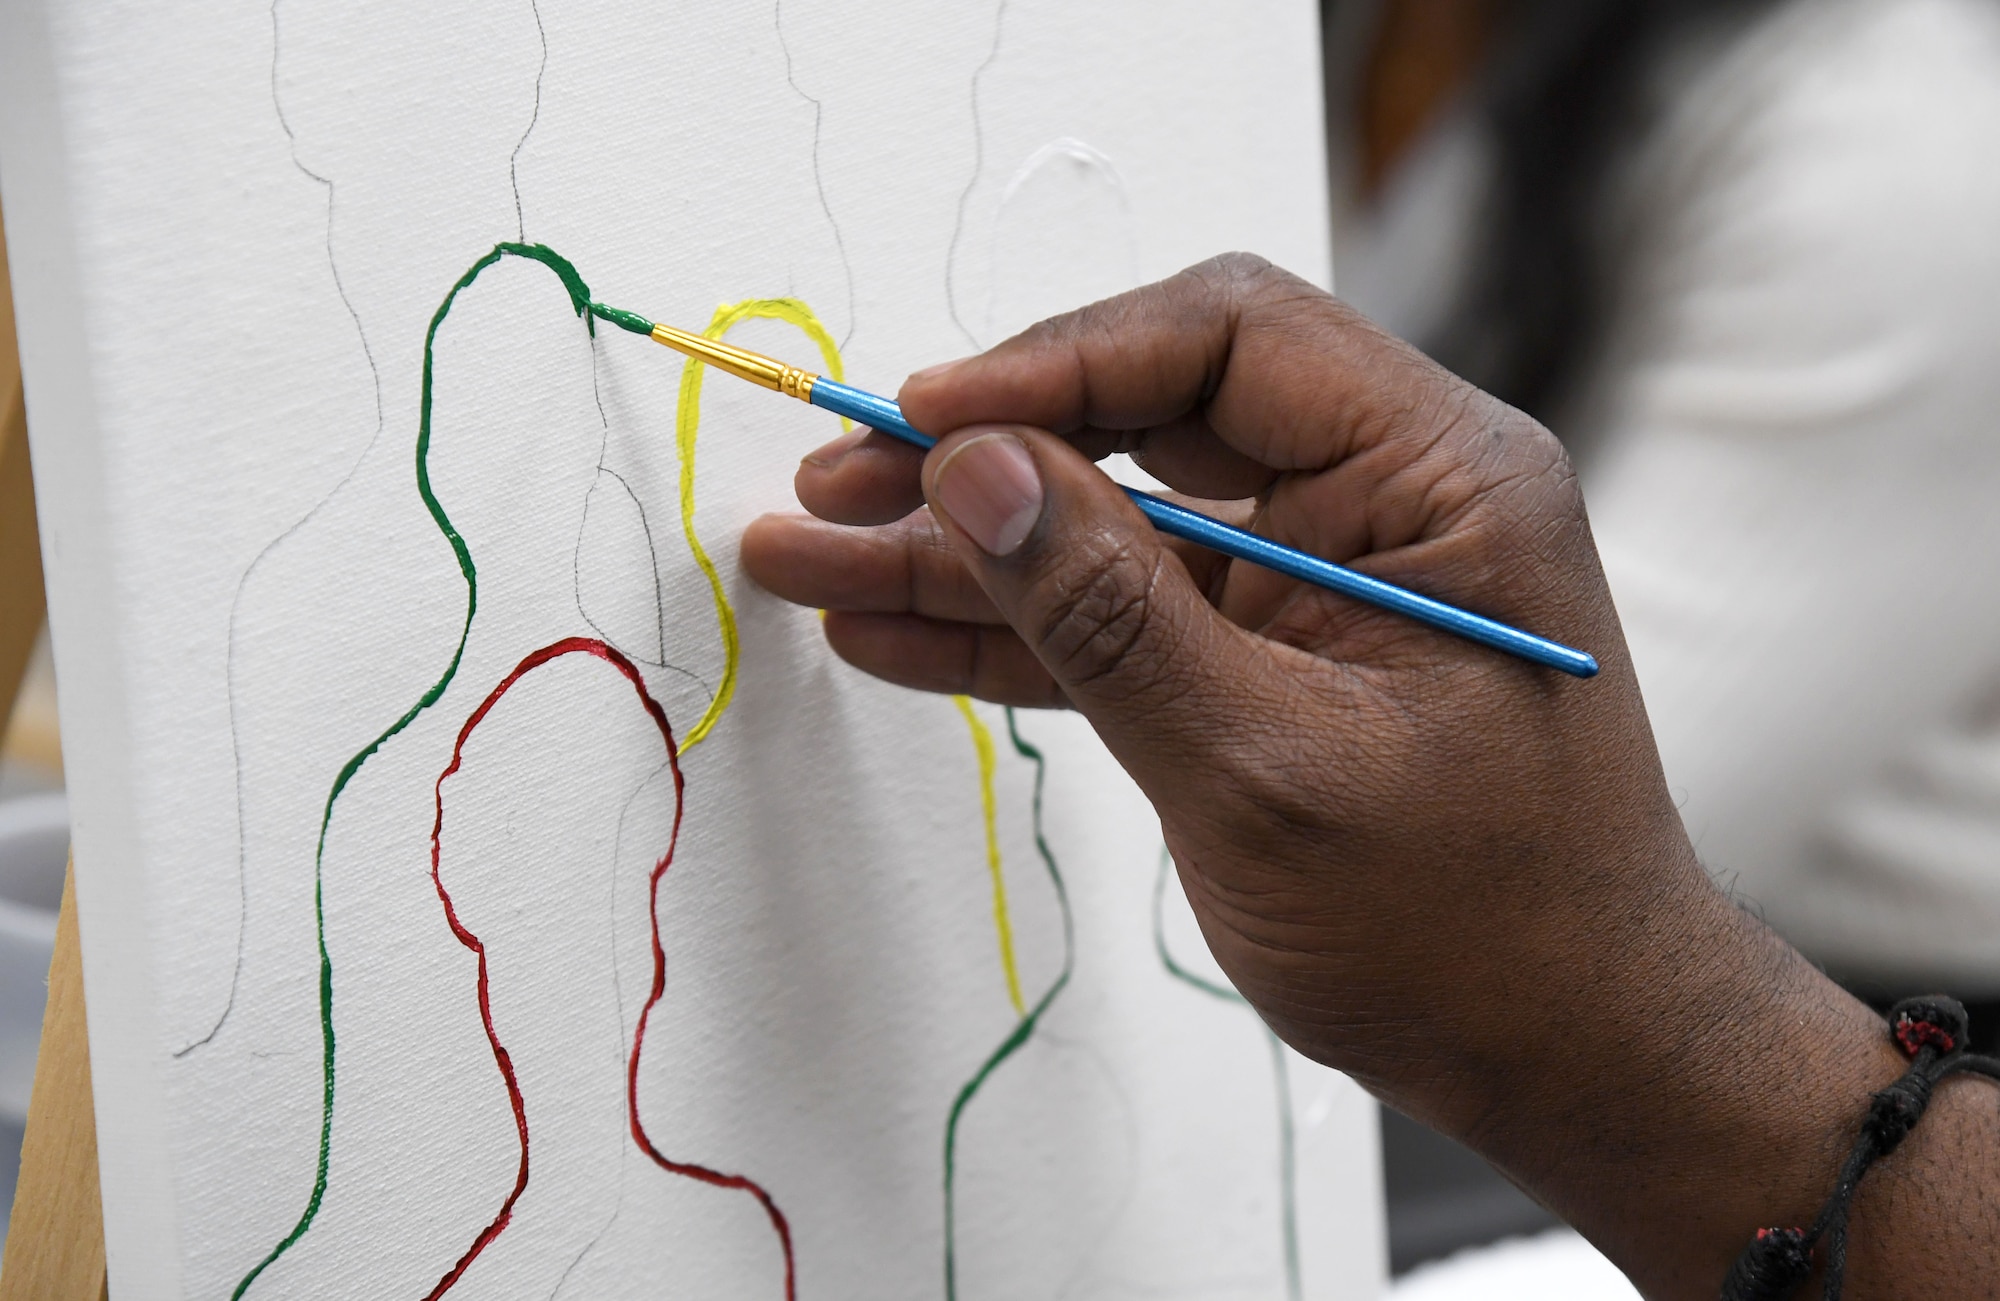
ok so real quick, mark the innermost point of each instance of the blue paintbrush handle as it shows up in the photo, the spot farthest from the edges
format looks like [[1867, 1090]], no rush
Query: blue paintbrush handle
[[885, 416]]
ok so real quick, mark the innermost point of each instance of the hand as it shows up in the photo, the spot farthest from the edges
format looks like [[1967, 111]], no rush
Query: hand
[[1455, 876], [1368, 814]]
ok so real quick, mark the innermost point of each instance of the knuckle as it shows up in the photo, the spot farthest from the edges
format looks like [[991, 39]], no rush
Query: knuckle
[[1237, 282], [1052, 334], [1236, 269], [1512, 503], [933, 573], [1526, 470], [1100, 623], [999, 668], [1482, 457]]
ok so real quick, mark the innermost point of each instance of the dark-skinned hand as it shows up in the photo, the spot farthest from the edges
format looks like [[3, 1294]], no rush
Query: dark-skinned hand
[[1458, 877]]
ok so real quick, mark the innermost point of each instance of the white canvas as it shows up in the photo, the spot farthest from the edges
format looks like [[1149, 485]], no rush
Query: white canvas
[[232, 228]]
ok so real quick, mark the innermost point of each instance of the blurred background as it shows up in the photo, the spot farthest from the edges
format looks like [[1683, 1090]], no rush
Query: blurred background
[[34, 849], [1740, 256], [34, 817]]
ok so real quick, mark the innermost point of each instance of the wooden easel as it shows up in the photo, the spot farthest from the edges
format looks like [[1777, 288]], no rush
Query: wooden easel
[[55, 1241]]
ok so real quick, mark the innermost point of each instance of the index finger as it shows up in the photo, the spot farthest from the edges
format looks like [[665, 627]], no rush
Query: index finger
[[1230, 369]]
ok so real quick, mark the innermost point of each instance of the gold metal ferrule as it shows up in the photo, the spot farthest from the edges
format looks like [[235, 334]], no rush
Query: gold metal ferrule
[[767, 372]]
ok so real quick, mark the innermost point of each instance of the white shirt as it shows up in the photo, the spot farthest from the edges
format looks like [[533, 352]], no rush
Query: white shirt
[[1791, 454]]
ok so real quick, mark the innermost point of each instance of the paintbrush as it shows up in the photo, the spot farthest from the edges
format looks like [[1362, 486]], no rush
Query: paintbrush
[[884, 416]]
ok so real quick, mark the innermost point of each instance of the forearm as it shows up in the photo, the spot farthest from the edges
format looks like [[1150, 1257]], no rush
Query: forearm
[[1708, 1084]]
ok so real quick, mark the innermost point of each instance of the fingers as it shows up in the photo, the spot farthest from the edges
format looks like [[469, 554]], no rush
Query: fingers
[[1230, 379], [1114, 619], [1185, 454], [862, 477], [1230, 375], [987, 661], [908, 567]]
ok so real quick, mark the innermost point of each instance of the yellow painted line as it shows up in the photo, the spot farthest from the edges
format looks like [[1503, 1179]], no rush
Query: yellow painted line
[[687, 427], [982, 744], [687, 424]]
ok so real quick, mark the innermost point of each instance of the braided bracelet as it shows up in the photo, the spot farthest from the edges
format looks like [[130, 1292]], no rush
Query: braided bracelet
[[1931, 1031]]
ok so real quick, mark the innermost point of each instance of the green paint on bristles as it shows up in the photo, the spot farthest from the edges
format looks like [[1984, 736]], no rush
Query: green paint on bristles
[[623, 319], [580, 301]]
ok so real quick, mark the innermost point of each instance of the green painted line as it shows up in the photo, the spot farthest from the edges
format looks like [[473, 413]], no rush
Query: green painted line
[[1023, 1029], [580, 301]]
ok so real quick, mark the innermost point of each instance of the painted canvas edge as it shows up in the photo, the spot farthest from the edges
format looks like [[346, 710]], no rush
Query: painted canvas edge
[[86, 633]]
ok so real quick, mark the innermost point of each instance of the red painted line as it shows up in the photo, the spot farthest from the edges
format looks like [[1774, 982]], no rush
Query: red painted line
[[611, 656]]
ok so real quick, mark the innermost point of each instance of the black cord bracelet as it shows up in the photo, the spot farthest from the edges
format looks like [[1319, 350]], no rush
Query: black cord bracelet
[[1931, 1031]]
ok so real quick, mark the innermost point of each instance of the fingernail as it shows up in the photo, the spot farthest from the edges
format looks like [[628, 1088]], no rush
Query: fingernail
[[829, 456], [938, 369], [991, 489]]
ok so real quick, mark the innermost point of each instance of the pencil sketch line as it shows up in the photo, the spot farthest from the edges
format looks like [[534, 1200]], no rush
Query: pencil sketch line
[[657, 661], [819, 180], [568, 646], [1281, 1078], [617, 848], [618, 1002], [645, 526], [687, 428], [243, 583], [1077, 1283], [689, 1169], [972, 183], [579, 296], [514, 159], [1288, 1166], [653, 555], [590, 1246]]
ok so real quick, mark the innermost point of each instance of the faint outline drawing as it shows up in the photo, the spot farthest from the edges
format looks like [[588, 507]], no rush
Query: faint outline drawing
[[1287, 1144]]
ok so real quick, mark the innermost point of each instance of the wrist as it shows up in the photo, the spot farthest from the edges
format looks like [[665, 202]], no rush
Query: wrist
[[1644, 1058], [1708, 1086]]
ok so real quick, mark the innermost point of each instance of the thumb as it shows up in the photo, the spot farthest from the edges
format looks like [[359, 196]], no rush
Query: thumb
[[1090, 587]]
